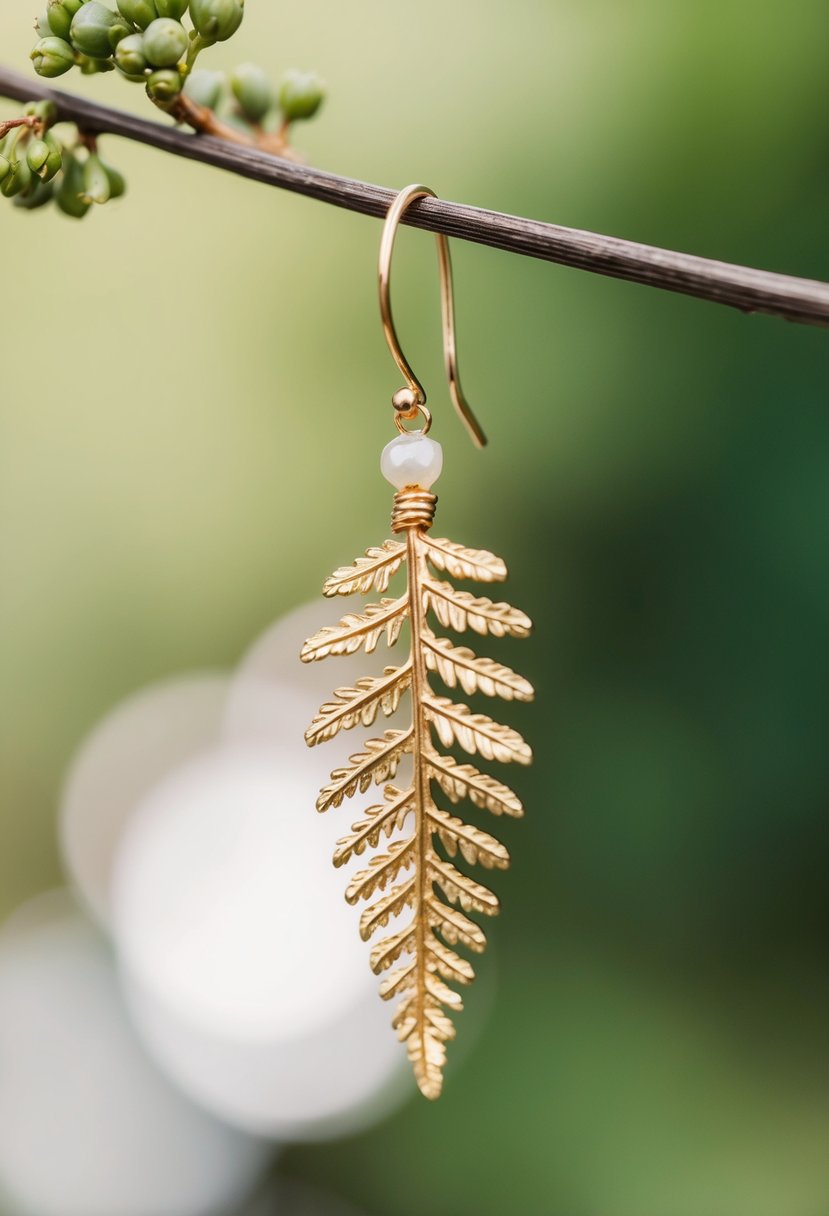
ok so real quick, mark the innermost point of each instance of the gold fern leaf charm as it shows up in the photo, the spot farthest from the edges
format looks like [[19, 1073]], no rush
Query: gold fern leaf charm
[[410, 840]]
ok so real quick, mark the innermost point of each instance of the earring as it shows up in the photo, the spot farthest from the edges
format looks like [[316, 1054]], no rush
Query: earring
[[416, 871]]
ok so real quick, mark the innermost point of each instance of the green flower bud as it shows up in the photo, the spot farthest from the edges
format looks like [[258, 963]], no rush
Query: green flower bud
[[95, 180], [52, 57], [217, 20], [42, 27], [44, 157], [96, 30], [46, 111], [253, 91], [92, 67], [130, 57], [172, 8], [120, 30], [301, 95], [139, 12], [69, 197], [117, 184], [38, 195], [37, 155], [54, 162], [5, 167], [205, 87], [60, 14], [25, 176], [165, 41], [164, 86], [18, 180]]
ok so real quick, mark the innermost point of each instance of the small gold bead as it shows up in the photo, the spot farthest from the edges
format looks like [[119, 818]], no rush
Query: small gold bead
[[405, 402]]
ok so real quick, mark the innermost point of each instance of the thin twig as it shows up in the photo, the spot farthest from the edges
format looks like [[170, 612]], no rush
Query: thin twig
[[802, 300], [205, 121], [27, 120]]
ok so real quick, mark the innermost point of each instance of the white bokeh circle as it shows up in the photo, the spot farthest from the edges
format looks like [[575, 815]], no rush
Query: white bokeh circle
[[226, 906], [89, 1126], [126, 754], [274, 655], [332, 1081], [273, 695]]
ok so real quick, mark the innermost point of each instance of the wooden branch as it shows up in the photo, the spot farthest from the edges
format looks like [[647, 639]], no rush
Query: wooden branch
[[802, 300]]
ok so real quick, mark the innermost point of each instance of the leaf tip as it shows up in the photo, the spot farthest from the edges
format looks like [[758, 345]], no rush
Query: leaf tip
[[430, 1087]]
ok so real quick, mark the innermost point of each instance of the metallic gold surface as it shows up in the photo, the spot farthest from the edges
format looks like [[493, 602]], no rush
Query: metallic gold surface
[[401, 399], [413, 872], [413, 507]]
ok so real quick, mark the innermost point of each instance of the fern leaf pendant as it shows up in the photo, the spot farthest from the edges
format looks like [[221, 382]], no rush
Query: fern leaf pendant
[[415, 840]]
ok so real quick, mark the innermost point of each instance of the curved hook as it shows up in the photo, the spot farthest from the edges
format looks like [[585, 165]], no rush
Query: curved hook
[[447, 307]]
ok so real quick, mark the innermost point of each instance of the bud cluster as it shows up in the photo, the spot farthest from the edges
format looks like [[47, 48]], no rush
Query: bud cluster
[[37, 168], [139, 38], [155, 43], [248, 100]]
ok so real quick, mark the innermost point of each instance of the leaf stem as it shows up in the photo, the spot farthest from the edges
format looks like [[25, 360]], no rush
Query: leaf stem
[[197, 45], [420, 747]]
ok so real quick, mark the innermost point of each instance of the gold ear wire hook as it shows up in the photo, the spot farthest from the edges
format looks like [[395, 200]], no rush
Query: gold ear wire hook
[[404, 404]]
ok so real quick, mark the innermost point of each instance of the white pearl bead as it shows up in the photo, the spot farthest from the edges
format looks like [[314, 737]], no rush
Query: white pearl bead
[[412, 460]]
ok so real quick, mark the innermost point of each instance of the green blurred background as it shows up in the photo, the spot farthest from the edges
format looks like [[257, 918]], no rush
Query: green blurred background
[[195, 379]]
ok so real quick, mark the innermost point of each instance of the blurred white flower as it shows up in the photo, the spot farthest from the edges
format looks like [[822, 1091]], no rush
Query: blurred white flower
[[242, 961], [88, 1124], [142, 739]]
